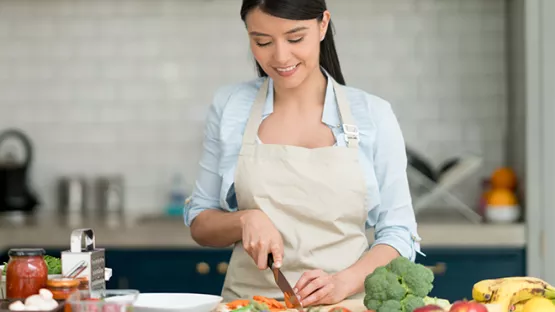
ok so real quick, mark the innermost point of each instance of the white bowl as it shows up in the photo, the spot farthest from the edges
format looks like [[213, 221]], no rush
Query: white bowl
[[107, 276], [502, 214], [176, 302]]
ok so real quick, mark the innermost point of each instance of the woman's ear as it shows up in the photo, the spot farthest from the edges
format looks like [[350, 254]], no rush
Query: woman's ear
[[324, 24]]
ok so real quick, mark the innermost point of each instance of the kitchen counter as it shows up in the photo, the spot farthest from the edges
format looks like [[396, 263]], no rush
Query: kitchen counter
[[172, 233]]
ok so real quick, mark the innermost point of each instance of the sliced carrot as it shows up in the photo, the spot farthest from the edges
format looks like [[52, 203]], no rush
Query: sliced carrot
[[232, 305], [270, 302]]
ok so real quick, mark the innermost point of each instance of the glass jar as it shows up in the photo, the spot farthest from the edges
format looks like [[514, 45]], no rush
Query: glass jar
[[26, 272], [61, 288]]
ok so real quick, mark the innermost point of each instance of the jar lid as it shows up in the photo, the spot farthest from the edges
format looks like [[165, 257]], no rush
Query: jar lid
[[62, 282], [26, 252]]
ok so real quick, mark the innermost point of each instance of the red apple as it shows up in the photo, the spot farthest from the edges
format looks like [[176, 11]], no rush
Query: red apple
[[468, 306], [430, 308]]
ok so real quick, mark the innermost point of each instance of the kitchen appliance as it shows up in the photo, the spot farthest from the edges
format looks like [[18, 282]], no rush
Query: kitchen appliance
[[110, 199], [82, 248], [291, 300], [15, 192], [72, 199]]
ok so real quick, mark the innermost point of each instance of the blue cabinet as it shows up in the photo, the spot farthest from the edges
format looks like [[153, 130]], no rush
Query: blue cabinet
[[180, 270], [202, 270], [456, 270]]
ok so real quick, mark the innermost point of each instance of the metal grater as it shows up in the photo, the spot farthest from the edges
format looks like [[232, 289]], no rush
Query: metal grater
[[83, 249]]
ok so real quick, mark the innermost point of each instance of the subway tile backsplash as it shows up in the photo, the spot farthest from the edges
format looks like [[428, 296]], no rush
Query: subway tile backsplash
[[124, 86]]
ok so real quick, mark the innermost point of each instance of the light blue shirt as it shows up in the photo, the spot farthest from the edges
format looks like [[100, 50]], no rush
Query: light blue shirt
[[381, 148]]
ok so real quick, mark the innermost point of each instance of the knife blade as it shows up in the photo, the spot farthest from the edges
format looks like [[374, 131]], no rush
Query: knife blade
[[291, 300]]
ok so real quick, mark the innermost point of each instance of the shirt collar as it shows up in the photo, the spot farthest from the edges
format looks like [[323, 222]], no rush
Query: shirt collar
[[330, 115]]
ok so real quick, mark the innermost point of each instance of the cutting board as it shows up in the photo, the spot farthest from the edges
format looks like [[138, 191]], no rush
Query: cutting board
[[356, 305], [353, 305]]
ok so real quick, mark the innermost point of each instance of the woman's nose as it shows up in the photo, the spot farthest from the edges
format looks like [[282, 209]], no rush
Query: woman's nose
[[281, 53]]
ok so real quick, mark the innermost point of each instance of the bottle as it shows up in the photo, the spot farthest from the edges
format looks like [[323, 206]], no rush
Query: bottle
[[177, 196]]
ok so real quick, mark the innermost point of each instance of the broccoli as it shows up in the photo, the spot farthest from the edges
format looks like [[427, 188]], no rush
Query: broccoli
[[384, 285], [411, 303], [401, 285], [390, 306]]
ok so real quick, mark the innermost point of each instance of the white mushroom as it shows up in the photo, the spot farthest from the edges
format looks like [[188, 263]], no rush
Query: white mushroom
[[17, 306], [45, 293], [34, 300]]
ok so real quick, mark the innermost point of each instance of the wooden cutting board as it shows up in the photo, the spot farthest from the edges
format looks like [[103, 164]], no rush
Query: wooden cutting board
[[357, 306], [353, 305]]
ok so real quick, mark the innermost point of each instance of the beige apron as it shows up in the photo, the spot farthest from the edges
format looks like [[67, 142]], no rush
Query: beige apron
[[316, 199]]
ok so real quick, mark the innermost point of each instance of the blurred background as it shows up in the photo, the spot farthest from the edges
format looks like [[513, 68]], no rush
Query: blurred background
[[112, 96]]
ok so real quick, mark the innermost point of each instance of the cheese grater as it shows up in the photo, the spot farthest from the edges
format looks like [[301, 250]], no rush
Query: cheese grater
[[83, 249]]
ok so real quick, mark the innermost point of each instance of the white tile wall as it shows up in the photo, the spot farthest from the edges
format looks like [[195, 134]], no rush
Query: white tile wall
[[123, 86]]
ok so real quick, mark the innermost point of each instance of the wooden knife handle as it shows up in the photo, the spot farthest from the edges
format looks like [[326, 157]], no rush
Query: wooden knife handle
[[270, 260]]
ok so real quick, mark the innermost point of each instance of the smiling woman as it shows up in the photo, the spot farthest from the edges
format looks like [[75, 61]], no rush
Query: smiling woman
[[298, 165], [279, 29]]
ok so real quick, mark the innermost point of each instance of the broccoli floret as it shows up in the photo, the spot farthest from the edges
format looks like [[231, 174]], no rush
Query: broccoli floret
[[383, 285], [390, 306], [371, 304], [418, 280], [400, 266], [411, 302]]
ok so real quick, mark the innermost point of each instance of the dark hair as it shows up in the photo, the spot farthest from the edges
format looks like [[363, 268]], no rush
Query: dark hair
[[300, 10]]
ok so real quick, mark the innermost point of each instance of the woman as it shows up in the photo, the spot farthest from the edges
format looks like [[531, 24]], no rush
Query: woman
[[297, 165]]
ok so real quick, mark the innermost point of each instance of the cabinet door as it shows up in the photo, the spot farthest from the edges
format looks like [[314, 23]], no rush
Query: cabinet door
[[184, 271], [457, 270]]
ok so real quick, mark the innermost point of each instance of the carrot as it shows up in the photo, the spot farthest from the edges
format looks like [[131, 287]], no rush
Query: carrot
[[270, 302], [232, 305]]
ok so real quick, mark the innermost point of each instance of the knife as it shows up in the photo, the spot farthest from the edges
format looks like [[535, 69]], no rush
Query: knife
[[291, 300]]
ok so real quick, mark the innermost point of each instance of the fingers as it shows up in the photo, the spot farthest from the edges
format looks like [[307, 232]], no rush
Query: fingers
[[313, 286], [320, 296], [306, 278], [277, 252], [262, 255]]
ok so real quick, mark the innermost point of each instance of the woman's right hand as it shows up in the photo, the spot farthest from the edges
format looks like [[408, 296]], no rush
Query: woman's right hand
[[260, 237]]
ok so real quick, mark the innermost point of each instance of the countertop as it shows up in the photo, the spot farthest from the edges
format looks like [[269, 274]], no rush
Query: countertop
[[160, 232]]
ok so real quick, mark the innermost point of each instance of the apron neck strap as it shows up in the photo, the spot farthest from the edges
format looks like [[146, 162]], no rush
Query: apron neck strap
[[350, 130]]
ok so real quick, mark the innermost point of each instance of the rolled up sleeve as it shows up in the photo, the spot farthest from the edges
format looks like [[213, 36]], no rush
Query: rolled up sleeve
[[395, 219], [206, 192]]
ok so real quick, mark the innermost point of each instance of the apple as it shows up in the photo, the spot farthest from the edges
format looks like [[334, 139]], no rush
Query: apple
[[467, 306], [430, 308]]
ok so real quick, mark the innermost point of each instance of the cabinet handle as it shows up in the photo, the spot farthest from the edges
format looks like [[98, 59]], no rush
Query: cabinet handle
[[203, 268], [439, 268], [222, 267]]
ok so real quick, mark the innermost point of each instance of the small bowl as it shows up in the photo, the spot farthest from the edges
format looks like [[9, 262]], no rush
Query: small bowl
[[109, 300]]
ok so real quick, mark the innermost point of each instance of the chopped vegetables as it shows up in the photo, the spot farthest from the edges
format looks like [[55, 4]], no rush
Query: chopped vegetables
[[265, 304]]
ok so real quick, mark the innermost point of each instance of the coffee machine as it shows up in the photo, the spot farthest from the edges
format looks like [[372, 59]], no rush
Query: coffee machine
[[15, 193]]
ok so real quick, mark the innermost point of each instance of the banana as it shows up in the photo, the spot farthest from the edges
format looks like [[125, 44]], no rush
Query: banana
[[491, 290]]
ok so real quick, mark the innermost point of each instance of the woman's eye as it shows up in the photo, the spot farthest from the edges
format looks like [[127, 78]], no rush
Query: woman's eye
[[296, 40], [262, 44]]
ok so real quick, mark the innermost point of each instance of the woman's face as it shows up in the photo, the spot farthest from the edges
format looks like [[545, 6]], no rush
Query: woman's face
[[287, 50]]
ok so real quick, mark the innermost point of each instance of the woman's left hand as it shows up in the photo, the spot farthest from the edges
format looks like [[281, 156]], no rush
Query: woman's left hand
[[318, 287]]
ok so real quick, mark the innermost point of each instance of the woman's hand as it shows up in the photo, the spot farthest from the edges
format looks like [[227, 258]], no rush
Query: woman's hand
[[260, 237], [317, 287]]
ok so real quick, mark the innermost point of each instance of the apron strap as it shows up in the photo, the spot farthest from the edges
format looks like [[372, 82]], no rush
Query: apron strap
[[350, 129], [251, 130]]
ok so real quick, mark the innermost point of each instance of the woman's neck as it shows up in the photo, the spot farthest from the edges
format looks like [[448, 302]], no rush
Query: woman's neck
[[311, 91]]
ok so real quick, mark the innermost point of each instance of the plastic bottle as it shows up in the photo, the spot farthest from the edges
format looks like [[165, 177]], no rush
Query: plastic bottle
[[177, 196]]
